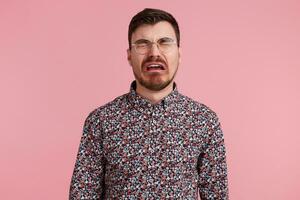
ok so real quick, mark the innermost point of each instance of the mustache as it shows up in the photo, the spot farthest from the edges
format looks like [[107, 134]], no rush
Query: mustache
[[153, 59]]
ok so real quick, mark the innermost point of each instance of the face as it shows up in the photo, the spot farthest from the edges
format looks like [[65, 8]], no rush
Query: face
[[144, 66]]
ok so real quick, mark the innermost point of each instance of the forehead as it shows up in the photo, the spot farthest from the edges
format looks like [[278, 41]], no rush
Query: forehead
[[154, 32]]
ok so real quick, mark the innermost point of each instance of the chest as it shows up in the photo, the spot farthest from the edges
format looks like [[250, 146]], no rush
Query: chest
[[141, 142]]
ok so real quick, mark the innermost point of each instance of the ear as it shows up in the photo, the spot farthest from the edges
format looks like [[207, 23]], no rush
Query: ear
[[129, 56], [179, 55]]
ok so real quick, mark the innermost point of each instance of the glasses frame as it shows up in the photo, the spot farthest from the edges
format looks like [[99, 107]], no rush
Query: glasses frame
[[133, 45]]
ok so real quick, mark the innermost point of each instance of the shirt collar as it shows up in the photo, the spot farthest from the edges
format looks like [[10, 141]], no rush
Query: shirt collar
[[143, 104]]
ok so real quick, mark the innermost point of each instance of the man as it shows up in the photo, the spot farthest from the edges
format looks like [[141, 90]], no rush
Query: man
[[153, 142]]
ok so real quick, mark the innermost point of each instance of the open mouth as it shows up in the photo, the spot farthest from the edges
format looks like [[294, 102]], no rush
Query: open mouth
[[155, 67]]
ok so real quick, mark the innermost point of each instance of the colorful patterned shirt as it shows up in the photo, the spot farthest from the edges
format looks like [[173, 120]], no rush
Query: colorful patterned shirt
[[132, 149]]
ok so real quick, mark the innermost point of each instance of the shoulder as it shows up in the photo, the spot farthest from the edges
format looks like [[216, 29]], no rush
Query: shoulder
[[198, 109], [108, 110]]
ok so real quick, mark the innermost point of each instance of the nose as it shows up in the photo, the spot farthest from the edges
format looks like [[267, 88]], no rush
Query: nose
[[154, 50]]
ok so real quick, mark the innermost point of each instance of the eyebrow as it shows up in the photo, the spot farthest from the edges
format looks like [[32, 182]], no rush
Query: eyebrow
[[166, 38], [141, 41]]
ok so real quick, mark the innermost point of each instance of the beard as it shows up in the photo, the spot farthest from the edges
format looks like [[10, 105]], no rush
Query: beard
[[154, 82]]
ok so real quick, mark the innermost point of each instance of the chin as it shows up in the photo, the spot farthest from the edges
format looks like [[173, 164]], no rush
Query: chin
[[156, 86]]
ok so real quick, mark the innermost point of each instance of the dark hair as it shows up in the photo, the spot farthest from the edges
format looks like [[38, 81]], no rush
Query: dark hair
[[152, 16]]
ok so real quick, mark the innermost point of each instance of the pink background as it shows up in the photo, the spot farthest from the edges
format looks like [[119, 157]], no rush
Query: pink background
[[61, 59]]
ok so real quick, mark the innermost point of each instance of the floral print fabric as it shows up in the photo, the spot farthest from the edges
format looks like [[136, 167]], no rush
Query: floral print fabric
[[132, 149]]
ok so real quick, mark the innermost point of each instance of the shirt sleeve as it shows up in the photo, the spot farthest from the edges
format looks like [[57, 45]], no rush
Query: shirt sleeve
[[212, 167], [88, 176]]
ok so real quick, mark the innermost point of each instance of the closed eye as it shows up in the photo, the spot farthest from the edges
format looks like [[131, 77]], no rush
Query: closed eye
[[165, 40]]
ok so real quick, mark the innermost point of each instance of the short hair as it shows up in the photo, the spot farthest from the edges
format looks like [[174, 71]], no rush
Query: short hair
[[152, 16]]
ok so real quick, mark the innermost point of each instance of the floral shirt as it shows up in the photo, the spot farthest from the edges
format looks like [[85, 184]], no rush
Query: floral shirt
[[132, 149]]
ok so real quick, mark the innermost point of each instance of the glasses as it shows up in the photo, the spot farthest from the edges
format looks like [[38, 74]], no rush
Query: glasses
[[164, 45]]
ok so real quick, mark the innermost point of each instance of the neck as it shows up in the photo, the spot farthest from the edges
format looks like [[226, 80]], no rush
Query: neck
[[153, 96]]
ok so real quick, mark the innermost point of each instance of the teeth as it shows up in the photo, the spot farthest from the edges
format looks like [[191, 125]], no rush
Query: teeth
[[155, 66]]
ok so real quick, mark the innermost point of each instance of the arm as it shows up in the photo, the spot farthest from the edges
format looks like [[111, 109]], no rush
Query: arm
[[88, 175], [212, 166]]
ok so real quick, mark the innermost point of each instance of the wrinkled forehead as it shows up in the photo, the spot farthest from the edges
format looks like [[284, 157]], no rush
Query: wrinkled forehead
[[154, 32]]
